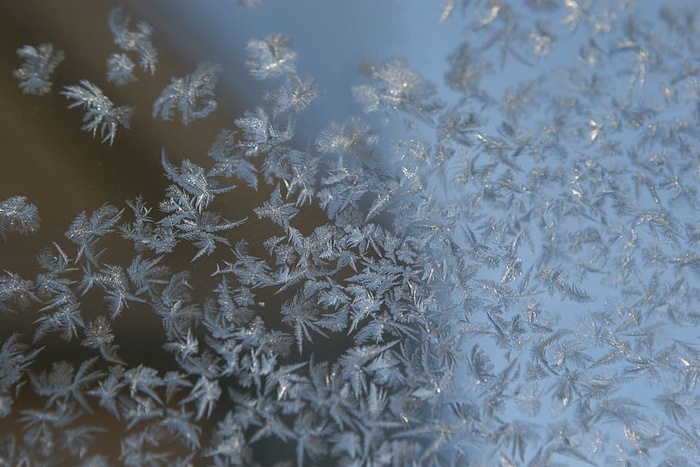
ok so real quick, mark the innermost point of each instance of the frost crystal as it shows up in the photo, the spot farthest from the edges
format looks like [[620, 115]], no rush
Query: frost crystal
[[120, 69], [101, 112], [192, 95], [397, 88], [354, 137], [17, 215], [138, 41], [39, 63], [295, 95]]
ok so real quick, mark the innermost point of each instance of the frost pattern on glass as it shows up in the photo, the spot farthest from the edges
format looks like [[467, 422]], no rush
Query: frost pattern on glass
[[511, 281], [39, 63]]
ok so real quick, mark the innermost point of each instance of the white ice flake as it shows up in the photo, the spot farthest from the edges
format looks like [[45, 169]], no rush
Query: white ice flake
[[100, 113], [39, 63]]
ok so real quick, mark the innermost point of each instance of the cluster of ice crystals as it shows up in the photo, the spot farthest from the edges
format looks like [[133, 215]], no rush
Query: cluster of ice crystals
[[512, 281]]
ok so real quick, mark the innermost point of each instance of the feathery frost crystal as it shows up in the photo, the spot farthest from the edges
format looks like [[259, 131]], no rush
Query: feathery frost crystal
[[100, 111], [192, 95], [39, 63]]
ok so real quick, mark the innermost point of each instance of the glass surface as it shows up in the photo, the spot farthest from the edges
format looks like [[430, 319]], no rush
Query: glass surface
[[349, 233]]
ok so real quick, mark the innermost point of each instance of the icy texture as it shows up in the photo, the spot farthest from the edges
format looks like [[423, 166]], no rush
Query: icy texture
[[514, 280]]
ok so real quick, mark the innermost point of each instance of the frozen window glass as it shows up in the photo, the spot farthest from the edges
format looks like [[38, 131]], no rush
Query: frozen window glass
[[357, 233]]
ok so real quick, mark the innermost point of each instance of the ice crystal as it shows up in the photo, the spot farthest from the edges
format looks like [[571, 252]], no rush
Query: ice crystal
[[120, 69], [192, 95], [271, 58], [295, 95], [138, 41], [39, 63], [17, 215], [354, 137], [397, 87], [100, 111]]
